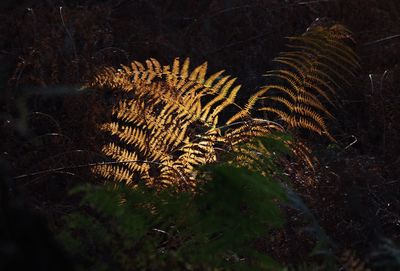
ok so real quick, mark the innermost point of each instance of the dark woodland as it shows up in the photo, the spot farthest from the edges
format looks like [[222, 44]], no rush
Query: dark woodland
[[200, 135]]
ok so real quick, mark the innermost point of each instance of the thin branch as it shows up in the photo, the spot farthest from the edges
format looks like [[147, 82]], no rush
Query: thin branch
[[352, 143], [71, 38], [47, 116], [381, 40], [51, 170]]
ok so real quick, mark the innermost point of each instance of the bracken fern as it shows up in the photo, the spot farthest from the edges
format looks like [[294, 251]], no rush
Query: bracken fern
[[321, 62], [166, 121], [166, 118]]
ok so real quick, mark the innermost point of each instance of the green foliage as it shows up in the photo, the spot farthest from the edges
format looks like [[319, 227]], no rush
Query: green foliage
[[142, 229]]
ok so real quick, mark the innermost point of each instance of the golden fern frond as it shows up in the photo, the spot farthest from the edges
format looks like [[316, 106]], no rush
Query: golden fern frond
[[114, 173], [165, 121], [121, 154], [320, 63]]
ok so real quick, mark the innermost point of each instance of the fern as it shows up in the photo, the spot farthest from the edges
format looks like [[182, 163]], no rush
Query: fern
[[320, 63], [166, 121]]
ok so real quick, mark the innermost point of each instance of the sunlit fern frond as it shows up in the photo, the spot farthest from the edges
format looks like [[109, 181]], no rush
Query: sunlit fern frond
[[166, 121], [306, 79]]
